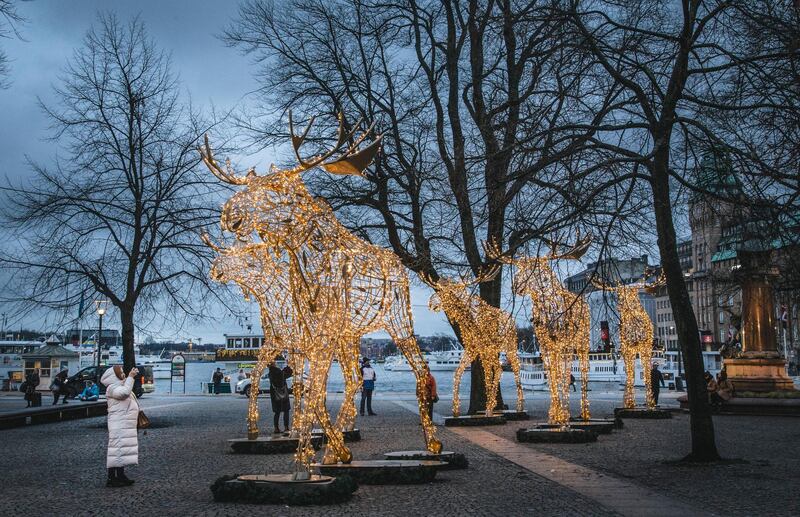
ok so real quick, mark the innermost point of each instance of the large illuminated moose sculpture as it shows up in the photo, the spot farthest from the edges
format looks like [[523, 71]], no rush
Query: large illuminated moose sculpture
[[340, 286], [485, 331], [561, 324]]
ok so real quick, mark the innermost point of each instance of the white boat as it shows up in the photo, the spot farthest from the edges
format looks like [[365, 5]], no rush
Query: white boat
[[11, 365], [441, 361], [608, 368]]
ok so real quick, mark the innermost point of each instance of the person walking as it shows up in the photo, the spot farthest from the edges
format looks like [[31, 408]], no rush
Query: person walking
[[123, 415], [430, 391], [572, 383], [279, 394], [217, 379], [656, 382], [59, 387], [368, 385]]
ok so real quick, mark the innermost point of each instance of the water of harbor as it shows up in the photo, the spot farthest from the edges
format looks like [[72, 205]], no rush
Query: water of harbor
[[197, 374]]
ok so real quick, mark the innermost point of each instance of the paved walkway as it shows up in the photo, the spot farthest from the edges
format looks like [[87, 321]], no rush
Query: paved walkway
[[618, 495]]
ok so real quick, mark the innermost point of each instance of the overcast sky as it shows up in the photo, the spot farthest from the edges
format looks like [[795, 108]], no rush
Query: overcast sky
[[209, 71]]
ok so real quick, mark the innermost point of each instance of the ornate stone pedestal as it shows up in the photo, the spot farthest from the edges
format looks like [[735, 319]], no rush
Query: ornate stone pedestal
[[754, 372]]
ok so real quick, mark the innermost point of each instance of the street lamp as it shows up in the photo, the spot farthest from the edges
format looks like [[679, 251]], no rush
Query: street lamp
[[101, 311]]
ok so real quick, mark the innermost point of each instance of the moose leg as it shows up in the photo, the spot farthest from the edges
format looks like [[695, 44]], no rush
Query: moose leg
[[265, 356], [513, 360], [348, 361], [491, 379], [583, 361], [335, 449], [646, 358], [297, 364], [465, 361], [629, 358]]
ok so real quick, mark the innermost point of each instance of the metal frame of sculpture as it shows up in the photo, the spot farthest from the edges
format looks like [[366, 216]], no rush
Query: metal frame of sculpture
[[485, 331], [339, 286], [561, 323]]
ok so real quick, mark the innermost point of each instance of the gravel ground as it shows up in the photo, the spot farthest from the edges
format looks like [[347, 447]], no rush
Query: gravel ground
[[59, 469], [760, 476]]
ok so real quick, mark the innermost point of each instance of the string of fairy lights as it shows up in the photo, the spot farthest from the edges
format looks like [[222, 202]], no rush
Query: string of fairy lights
[[486, 331]]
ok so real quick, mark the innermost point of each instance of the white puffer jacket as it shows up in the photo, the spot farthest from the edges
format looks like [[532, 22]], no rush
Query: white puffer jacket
[[123, 412]]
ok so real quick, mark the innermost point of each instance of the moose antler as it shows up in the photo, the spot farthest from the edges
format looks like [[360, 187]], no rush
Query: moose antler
[[228, 175], [577, 250], [352, 162]]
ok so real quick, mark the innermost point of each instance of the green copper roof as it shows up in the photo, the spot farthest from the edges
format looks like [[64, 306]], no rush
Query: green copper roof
[[715, 174]]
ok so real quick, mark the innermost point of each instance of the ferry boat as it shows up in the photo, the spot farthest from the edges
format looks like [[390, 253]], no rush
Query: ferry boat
[[608, 368], [12, 367], [441, 361]]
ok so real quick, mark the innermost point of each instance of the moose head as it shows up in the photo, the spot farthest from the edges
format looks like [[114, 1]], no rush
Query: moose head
[[449, 295], [277, 206]]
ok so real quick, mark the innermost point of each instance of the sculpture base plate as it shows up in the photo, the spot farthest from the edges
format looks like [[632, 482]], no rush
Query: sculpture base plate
[[756, 406], [759, 374], [555, 435], [349, 436], [474, 420], [642, 412], [282, 489], [275, 444], [450, 460], [511, 414], [595, 427], [617, 422], [383, 472]]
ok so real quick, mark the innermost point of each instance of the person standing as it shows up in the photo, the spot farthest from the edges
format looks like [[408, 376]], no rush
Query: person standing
[[59, 387], [430, 391], [217, 379], [572, 383], [123, 415], [368, 385], [279, 394], [241, 376], [656, 381]]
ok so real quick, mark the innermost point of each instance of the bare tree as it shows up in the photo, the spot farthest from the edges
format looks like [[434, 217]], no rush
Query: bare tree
[[9, 19], [485, 112], [120, 215], [684, 64]]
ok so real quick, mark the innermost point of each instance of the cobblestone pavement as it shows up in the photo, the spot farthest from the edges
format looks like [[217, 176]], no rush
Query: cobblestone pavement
[[59, 469], [760, 477]]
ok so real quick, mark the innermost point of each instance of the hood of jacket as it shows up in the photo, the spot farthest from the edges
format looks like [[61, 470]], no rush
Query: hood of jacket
[[109, 377]]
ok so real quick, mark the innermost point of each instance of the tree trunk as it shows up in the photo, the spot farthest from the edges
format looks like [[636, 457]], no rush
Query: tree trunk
[[128, 354], [704, 446]]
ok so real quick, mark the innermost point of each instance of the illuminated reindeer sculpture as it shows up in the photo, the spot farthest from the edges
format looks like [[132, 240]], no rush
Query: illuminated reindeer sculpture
[[485, 330], [340, 286], [635, 335], [561, 324]]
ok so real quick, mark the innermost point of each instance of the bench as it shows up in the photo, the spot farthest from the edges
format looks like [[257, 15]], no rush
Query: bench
[[56, 413]]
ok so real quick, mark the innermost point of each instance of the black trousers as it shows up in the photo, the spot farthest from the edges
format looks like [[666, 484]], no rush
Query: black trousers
[[277, 417], [217, 386], [655, 395], [56, 395], [366, 396]]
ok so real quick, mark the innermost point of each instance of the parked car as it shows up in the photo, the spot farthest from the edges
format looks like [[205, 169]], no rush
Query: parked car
[[77, 382], [243, 386]]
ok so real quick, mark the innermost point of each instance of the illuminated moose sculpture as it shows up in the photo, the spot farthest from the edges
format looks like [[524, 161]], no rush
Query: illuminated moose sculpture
[[561, 324], [485, 330], [635, 336], [339, 286]]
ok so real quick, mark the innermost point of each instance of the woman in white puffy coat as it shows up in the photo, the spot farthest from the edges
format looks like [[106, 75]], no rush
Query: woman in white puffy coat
[[123, 412]]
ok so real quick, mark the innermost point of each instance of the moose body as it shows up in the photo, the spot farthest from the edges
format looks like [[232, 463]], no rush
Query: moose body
[[485, 331]]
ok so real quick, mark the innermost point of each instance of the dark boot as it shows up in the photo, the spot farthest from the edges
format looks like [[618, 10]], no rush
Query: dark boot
[[113, 479], [125, 479]]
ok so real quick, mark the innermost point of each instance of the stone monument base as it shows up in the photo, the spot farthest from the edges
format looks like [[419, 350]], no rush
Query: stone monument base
[[512, 414], [761, 374], [642, 412], [282, 489], [349, 436]]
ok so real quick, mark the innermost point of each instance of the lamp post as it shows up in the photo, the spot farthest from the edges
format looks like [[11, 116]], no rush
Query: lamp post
[[101, 311]]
